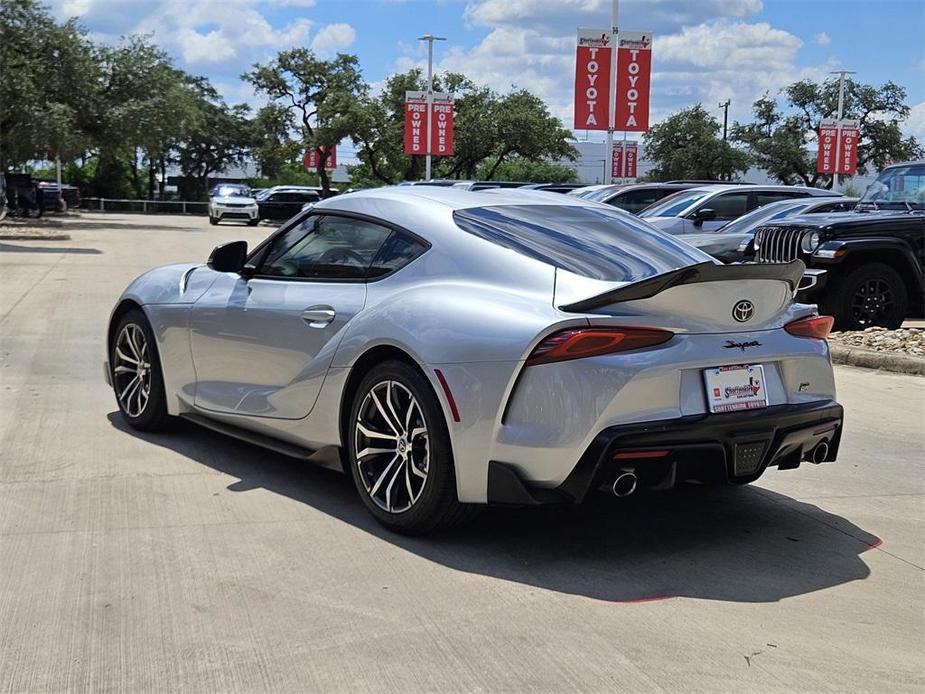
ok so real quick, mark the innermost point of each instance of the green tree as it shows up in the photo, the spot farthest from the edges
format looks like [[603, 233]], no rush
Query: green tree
[[323, 96], [529, 170], [273, 147], [687, 145], [780, 139]]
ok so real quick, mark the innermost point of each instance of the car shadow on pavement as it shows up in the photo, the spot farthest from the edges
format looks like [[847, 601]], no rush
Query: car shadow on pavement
[[11, 248], [102, 224], [739, 544]]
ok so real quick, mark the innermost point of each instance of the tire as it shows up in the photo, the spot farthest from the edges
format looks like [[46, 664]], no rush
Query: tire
[[873, 294], [419, 505], [253, 222], [212, 220], [143, 414]]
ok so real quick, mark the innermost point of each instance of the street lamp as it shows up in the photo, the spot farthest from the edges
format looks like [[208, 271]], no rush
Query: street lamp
[[430, 92], [841, 105]]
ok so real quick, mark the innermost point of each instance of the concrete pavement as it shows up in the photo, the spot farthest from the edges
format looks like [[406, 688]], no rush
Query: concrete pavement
[[190, 562]]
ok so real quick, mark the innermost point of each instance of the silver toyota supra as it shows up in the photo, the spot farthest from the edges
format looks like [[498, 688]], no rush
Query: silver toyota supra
[[450, 348]]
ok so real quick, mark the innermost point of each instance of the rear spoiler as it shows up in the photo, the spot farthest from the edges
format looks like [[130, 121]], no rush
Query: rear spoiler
[[791, 273]]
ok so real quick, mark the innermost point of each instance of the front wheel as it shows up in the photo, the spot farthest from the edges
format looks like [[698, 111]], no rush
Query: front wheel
[[253, 222], [136, 374], [212, 220], [873, 294], [399, 451]]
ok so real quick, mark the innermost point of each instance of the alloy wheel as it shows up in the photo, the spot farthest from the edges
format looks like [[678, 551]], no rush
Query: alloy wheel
[[392, 446], [872, 302], [132, 370]]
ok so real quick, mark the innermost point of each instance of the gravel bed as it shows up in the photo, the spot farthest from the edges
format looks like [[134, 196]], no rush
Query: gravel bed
[[16, 229], [909, 341]]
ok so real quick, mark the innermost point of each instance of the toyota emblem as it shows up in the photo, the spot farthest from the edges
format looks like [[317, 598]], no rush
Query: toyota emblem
[[743, 310]]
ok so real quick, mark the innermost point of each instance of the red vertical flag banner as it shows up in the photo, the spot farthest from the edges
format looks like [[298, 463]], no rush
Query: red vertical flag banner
[[441, 127], [415, 122], [617, 162], [634, 75], [848, 147], [828, 141], [592, 79], [313, 156], [630, 155]]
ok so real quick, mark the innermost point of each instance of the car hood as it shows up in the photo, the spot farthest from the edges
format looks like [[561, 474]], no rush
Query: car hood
[[704, 241], [225, 199], [661, 222]]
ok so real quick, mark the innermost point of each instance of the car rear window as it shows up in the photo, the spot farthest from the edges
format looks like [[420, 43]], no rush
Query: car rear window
[[602, 244]]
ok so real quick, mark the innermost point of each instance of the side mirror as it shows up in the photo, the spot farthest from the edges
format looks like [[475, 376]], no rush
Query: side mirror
[[229, 257], [707, 214]]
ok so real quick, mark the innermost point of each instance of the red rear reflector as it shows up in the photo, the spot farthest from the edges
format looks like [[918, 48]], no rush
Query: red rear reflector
[[591, 342], [449, 394], [640, 454], [817, 327]]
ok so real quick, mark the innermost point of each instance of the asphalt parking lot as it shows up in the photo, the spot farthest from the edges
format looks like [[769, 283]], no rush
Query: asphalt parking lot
[[190, 562]]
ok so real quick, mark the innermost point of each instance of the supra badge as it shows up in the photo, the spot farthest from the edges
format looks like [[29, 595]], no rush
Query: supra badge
[[743, 310], [732, 344]]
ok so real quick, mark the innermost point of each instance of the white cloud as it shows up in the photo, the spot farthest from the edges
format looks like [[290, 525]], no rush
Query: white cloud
[[915, 124], [822, 39], [333, 38]]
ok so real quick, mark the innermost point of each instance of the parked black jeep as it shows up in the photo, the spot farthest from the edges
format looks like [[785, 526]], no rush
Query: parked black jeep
[[864, 267]]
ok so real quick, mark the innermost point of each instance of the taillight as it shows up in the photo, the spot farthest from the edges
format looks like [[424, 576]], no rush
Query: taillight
[[591, 342], [817, 327]]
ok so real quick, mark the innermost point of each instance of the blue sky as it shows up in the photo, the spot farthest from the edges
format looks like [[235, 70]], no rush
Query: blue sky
[[704, 50]]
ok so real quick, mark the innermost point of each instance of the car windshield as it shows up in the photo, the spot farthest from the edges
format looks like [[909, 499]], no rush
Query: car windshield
[[674, 205], [603, 244], [600, 193], [746, 223], [231, 192], [898, 186]]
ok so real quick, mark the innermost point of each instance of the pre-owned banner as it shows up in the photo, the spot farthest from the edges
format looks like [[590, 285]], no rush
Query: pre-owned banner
[[848, 147], [592, 79], [415, 122], [634, 75], [313, 156], [441, 128], [441, 124], [828, 141], [629, 155]]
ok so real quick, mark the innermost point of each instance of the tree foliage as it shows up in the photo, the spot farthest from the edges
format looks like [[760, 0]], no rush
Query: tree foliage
[[322, 95], [782, 136], [687, 145]]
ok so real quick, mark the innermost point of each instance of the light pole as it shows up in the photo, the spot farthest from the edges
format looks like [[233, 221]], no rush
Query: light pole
[[430, 92], [612, 105], [841, 106], [725, 107]]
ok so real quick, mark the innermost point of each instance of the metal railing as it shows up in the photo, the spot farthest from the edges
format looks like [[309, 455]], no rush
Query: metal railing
[[144, 206]]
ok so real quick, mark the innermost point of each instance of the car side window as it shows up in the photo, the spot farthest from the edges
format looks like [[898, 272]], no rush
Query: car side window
[[764, 198], [397, 251], [327, 248], [728, 205], [635, 200]]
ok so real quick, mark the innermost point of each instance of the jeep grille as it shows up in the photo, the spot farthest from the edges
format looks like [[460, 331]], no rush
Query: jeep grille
[[778, 244]]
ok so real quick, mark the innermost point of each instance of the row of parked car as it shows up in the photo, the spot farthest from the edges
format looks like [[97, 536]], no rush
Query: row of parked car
[[864, 257]]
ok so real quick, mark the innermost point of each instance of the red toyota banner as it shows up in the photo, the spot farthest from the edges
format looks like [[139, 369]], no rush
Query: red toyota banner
[[828, 141], [592, 79], [630, 155], [415, 122], [634, 75], [848, 147], [313, 155], [441, 128]]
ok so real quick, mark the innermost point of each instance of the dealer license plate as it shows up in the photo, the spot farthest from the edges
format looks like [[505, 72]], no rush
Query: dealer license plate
[[731, 388]]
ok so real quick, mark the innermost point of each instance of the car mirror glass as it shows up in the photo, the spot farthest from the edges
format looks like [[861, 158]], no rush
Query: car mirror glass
[[228, 257]]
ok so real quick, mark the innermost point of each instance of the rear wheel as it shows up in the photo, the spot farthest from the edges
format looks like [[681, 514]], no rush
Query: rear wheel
[[399, 451], [136, 374], [870, 295]]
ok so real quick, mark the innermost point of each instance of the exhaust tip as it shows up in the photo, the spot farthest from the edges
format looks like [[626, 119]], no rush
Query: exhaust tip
[[820, 452], [625, 484]]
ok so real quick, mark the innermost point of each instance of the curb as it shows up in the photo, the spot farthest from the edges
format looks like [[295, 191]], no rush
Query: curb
[[885, 361]]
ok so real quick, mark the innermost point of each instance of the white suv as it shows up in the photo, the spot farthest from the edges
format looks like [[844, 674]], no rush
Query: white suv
[[707, 208], [233, 201]]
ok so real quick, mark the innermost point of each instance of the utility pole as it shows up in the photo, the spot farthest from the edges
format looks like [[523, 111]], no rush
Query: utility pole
[[725, 107], [841, 107], [612, 106], [430, 92]]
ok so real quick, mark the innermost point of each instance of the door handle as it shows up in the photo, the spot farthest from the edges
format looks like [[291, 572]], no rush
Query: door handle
[[318, 316]]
